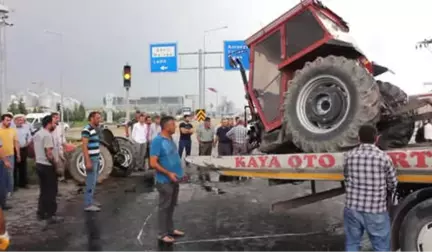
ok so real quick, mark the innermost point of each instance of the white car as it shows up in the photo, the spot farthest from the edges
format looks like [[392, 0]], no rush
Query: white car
[[35, 121]]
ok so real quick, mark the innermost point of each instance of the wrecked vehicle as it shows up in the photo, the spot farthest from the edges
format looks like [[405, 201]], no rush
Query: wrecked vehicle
[[309, 91], [116, 158]]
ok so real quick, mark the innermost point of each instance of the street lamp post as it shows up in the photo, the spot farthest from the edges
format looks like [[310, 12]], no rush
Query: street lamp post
[[202, 89], [3, 60], [60, 36]]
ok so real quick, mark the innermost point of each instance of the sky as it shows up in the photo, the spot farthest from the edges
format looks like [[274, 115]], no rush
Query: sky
[[100, 36]]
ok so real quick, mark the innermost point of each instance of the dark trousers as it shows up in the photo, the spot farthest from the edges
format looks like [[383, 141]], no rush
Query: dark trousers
[[205, 148], [47, 205], [185, 145], [168, 195], [239, 149], [20, 171], [225, 149], [4, 183]]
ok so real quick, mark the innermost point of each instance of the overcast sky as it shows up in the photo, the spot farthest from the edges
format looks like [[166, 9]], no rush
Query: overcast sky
[[101, 35]]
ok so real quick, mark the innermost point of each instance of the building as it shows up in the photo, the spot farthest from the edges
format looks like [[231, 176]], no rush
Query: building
[[46, 100], [150, 104]]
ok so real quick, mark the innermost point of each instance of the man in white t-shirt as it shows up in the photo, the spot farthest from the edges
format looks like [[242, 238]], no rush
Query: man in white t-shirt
[[141, 136], [59, 137], [428, 131]]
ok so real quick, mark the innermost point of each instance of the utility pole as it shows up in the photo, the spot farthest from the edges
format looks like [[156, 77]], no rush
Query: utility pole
[[202, 87], [3, 55], [159, 97]]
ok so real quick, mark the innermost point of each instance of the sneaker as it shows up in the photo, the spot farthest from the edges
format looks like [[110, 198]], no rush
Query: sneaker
[[92, 208], [96, 203]]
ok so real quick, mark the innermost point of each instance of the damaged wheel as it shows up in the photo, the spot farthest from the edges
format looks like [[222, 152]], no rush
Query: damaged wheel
[[124, 158], [395, 131], [327, 102], [77, 169]]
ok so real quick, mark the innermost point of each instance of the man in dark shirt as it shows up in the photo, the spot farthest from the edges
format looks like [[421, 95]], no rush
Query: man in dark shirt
[[225, 143], [185, 142], [129, 125]]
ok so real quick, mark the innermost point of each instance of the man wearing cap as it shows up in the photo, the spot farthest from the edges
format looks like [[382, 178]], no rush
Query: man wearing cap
[[205, 137], [24, 139]]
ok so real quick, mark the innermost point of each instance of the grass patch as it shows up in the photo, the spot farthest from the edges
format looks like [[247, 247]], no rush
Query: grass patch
[[78, 124]]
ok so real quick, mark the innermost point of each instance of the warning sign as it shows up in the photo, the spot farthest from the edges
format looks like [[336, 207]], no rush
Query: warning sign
[[200, 115]]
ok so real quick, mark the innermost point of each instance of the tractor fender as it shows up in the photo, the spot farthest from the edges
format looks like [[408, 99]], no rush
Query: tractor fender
[[124, 138], [402, 209]]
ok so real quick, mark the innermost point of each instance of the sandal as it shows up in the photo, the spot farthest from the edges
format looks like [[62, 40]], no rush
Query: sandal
[[166, 239], [177, 233]]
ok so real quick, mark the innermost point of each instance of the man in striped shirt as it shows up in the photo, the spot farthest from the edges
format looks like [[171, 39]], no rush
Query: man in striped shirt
[[91, 152]]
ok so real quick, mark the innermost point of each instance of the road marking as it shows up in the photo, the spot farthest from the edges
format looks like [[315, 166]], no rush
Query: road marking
[[142, 228], [249, 237]]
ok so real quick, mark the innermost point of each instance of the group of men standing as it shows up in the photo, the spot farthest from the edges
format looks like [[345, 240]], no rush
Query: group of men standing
[[142, 130], [230, 137]]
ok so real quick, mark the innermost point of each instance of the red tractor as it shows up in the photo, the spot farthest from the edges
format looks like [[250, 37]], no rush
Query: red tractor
[[310, 87]]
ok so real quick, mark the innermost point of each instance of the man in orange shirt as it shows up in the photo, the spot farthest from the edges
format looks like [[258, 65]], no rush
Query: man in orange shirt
[[9, 138]]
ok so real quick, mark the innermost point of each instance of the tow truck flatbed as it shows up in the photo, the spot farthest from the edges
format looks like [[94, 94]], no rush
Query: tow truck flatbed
[[413, 164], [410, 207]]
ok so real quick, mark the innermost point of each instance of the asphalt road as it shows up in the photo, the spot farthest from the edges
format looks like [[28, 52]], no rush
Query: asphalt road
[[239, 219]]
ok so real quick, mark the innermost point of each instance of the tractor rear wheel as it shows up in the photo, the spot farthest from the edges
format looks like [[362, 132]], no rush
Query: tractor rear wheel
[[397, 131], [327, 102]]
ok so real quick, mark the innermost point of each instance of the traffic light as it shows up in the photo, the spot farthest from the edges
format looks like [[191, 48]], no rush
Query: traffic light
[[58, 106], [127, 75]]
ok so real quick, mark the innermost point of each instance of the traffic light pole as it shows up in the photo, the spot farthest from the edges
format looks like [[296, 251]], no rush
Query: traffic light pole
[[201, 71], [127, 105], [127, 79]]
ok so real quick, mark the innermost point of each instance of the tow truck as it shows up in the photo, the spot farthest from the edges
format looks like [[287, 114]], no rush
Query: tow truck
[[310, 88]]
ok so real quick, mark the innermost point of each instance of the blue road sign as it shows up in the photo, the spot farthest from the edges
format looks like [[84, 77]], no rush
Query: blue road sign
[[236, 49], [163, 58]]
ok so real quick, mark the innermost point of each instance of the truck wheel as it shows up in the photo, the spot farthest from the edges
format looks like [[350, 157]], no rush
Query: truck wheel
[[396, 132], [77, 168], [416, 228], [125, 160], [327, 102]]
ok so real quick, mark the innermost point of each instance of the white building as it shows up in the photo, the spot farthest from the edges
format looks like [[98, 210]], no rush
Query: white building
[[47, 100]]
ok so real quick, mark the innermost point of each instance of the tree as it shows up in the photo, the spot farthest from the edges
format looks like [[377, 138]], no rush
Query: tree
[[38, 110], [13, 108], [81, 112], [21, 107]]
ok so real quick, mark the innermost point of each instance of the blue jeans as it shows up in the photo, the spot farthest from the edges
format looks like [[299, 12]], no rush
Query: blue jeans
[[377, 227], [4, 184], [185, 145], [91, 181], [11, 174]]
